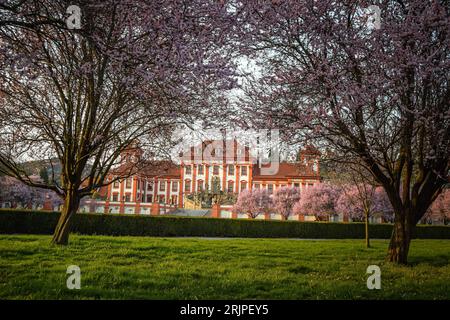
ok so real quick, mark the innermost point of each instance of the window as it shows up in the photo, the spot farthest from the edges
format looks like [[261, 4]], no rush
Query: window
[[243, 185], [243, 171], [162, 199], [116, 184], [174, 200], [149, 198], [230, 186], [216, 170], [200, 169], [216, 186], [162, 186], [127, 197], [188, 170], [174, 186], [187, 185], [150, 186], [296, 185], [128, 183], [115, 197], [200, 185], [270, 188], [310, 185], [231, 170], [256, 185]]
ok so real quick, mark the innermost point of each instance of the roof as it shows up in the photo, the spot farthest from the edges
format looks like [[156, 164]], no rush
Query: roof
[[217, 150], [162, 168], [155, 168], [285, 170], [310, 150]]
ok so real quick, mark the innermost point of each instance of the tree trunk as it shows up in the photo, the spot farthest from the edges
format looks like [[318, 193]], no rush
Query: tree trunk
[[367, 230], [71, 205], [400, 239]]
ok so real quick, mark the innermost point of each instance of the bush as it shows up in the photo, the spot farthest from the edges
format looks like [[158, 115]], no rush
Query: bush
[[42, 222]]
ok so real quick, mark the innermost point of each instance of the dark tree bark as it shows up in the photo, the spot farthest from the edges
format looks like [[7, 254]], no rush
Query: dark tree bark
[[400, 239], [63, 228]]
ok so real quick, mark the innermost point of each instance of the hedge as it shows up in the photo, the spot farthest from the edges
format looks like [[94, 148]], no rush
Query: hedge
[[44, 222]]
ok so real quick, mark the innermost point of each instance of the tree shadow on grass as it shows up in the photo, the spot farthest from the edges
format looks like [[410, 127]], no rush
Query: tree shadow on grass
[[300, 270], [435, 261]]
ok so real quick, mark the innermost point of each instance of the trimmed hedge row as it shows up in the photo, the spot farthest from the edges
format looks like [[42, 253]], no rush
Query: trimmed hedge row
[[41, 222]]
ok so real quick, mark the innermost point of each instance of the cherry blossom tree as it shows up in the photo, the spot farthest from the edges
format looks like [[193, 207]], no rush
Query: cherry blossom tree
[[16, 194], [376, 93], [85, 96], [362, 201], [253, 202], [440, 209], [382, 205], [361, 198], [319, 201], [284, 200]]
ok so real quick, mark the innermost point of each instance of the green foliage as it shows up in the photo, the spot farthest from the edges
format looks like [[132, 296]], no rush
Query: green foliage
[[39, 222]]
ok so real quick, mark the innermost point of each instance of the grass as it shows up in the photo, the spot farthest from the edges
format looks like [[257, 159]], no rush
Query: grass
[[195, 268]]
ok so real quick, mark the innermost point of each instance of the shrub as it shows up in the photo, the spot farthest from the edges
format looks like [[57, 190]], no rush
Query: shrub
[[41, 222]]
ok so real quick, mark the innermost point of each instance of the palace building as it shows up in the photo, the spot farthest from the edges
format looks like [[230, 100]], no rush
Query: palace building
[[159, 187]]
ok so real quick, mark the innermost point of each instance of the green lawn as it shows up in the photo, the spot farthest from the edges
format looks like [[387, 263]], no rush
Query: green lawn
[[195, 268]]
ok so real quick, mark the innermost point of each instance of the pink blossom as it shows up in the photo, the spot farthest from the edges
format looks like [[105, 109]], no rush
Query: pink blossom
[[318, 201], [284, 200]]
